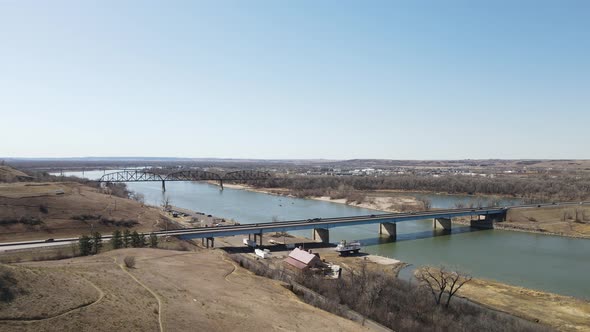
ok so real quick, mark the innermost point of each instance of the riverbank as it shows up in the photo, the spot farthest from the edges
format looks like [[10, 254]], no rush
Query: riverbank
[[369, 201], [561, 312]]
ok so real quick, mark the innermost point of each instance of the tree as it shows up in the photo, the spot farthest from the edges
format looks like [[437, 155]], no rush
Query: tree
[[153, 240], [96, 242], [136, 241], [117, 240], [126, 238], [85, 245], [142, 240], [166, 202], [440, 280]]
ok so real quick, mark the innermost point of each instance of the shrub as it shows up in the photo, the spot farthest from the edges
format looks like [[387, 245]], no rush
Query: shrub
[[129, 261]]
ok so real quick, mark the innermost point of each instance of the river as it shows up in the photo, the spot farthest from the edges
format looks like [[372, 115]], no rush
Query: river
[[551, 263]]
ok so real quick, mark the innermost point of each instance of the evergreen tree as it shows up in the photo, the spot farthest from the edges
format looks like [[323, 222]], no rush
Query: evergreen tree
[[126, 238], [135, 240], [153, 240], [143, 241], [85, 245], [96, 242], [117, 240]]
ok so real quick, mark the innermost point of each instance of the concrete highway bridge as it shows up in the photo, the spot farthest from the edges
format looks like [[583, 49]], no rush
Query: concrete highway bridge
[[480, 218], [142, 175]]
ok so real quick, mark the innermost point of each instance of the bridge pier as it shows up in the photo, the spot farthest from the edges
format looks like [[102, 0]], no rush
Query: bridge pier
[[488, 221], [259, 238], [388, 228], [323, 234], [212, 239], [163, 185], [221, 183], [444, 223]]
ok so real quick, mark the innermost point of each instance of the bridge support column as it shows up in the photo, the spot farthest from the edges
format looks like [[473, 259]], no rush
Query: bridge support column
[[221, 184], [388, 228], [163, 185], [487, 222], [259, 241], [322, 234], [444, 223], [203, 241], [212, 239]]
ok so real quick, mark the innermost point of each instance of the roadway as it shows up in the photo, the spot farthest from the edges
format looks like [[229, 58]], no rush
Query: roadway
[[285, 226]]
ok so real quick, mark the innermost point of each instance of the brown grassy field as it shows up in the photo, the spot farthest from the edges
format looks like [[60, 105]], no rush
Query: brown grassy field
[[177, 291], [570, 221], [50, 210], [9, 174], [561, 312]]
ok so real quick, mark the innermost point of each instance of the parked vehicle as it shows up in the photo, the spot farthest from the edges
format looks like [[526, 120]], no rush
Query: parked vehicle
[[348, 247]]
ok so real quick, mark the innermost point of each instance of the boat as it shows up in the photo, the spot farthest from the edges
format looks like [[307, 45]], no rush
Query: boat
[[348, 247]]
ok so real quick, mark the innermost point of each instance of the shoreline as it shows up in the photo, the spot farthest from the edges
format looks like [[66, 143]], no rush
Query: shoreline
[[504, 227], [500, 226], [368, 206]]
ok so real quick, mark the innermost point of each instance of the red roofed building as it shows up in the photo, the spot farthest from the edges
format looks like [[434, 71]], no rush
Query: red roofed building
[[302, 260]]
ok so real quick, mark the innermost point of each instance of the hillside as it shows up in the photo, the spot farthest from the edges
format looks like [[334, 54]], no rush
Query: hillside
[[9, 174], [56, 209], [177, 291]]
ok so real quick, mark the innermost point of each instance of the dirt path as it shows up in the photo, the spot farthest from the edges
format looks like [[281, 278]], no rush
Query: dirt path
[[147, 288], [68, 312]]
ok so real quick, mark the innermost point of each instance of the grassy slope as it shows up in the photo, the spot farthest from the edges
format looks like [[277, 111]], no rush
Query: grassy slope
[[197, 291], [43, 293], [18, 200]]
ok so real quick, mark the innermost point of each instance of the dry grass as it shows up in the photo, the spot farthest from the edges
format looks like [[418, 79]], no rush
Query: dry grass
[[561, 312], [198, 291], [58, 215], [44, 293], [9, 174], [571, 221]]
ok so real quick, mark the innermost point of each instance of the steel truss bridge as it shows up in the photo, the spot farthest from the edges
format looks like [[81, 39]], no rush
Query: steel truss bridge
[[184, 175]]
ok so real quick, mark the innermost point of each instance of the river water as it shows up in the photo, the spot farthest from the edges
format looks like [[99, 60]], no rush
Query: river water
[[551, 263]]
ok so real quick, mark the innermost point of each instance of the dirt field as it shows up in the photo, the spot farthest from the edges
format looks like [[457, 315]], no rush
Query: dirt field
[[50, 210], [179, 291], [569, 221]]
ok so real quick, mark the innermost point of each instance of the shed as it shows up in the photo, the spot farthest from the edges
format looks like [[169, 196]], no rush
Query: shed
[[301, 259]]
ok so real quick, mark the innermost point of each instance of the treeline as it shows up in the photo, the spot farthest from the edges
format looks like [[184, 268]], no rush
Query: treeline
[[92, 245], [534, 188]]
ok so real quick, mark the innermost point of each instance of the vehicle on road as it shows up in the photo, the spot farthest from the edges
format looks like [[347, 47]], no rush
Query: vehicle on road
[[49, 240]]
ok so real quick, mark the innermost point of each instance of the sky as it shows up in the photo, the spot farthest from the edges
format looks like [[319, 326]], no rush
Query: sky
[[295, 79]]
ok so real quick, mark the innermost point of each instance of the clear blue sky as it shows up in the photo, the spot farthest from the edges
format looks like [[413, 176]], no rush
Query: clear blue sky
[[295, 79]]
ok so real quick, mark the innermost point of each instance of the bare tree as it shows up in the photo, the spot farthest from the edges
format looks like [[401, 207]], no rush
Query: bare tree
[[441, 280], [166, 202], [426, 203]]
